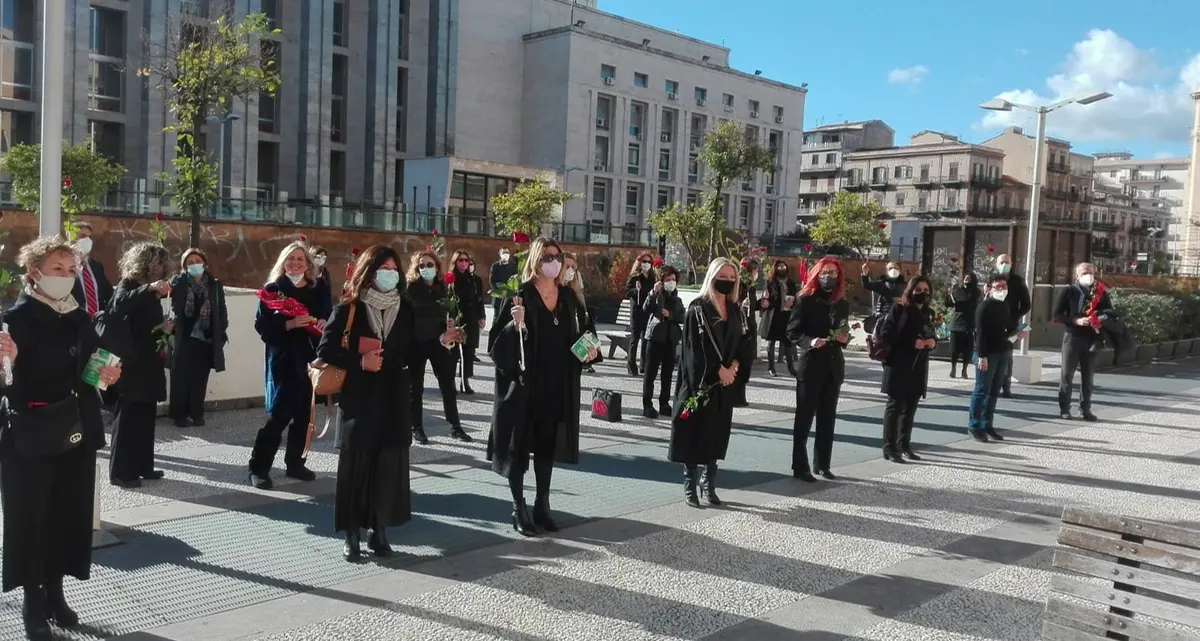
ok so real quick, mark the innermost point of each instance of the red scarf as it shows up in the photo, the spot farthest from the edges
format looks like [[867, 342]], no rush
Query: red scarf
[[1089, 310]]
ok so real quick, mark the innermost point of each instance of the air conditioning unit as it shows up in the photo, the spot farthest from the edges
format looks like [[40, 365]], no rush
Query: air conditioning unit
[[665, 137], [641, 136], [778, 118], [770, 189], [671, 95], [700, 102], [600, 166], [609, 80], [601, 123], [753, 114], [728, 109]]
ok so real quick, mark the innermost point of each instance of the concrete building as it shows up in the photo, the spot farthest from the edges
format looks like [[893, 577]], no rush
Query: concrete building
[[1144, 198], [1065, 177], [1189, 222], [821, 169]]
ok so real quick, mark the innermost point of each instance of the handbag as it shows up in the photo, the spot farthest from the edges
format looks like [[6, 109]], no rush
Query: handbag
[[877, 349], [52, 429], [327, 380], [606, 405]]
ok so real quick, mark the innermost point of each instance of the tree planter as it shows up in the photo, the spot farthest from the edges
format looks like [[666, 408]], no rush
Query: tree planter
[[1146, 353], [1166, 351]]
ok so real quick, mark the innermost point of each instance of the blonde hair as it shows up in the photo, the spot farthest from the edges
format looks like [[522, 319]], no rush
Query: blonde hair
[[414, 267], [144, 262], [310, 273], [33, 254], [714, 268], [533, 260], [576, 284]]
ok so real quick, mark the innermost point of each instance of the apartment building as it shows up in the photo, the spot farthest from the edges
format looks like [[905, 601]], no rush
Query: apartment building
[[1066, 177], [1145, 199], [823, 152]]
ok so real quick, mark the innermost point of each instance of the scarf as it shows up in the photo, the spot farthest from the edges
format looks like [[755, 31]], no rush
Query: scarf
[[199, 290], [382, 310], [64, 306]]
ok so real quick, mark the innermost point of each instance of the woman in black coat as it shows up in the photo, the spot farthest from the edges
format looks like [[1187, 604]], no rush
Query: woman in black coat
[[664, 329], [819, 326], [48, 499], [369, 337], [637, 290], [964, 299], [887, 290], [468, 289], [201, 323], [290, 345], [908, 331], [144, 269], [750, 305], [426, 295], [536, 411], [714, 335], [780, 295]]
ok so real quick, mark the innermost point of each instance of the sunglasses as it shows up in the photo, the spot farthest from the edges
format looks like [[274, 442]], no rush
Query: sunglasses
[[424, 265], [550, 258]]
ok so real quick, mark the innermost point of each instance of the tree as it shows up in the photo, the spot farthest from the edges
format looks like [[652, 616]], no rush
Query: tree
[[203, 69], [86, 178], [528, 207], [692, 226], [851, 223], [729, 153]]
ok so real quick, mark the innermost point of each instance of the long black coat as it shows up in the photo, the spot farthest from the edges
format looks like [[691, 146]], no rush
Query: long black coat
[[288, 353], [637, 290], [469, 289], [775, 317], [219, 321], [906, 370], [816, 317], [143, 377], [704, 435], [669, 330], [48, 501], [515, 389], [964, 299]]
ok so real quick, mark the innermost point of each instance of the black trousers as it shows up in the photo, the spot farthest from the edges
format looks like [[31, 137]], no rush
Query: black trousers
[[270, 437], [815, 399], [463, 356], [637, 348], [789, 354], [442, 362], [1076, 355], [189, 378], [962, 345], [660, 363], [898, 419], [133, 441]]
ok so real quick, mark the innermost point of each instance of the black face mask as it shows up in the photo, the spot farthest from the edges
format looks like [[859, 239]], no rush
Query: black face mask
[[827, 282], [920, 298], [724, 287]]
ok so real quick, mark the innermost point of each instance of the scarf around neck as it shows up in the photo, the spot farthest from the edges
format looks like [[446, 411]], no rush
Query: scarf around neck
[[382, 309], [64, 306]]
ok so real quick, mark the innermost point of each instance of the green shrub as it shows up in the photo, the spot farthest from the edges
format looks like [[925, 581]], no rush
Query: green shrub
[[1155, 318]]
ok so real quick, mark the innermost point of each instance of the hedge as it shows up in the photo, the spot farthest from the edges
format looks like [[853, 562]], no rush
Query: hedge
[[1157, 318]]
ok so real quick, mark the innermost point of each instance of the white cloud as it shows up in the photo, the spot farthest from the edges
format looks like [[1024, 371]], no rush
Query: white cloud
[[908, 75], [1148, 103], [1022, 52]]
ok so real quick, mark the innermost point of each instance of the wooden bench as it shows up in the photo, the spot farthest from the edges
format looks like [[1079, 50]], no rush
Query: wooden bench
[[1150, 573], [620, 337]]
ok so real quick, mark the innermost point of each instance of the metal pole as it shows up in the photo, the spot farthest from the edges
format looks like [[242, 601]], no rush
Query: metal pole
[[221, 165], [1035, 195], [54, 26]]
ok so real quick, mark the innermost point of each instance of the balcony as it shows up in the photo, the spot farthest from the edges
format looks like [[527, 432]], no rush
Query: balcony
[[995, 213], [1105, 226], [819, 168], [986, 182], [822, 187], [879, 183], [817, 146], [925, 181], [1105, 251], [951, 210], [1145, 180], [1058, 167], [855, 184], [954, 179]]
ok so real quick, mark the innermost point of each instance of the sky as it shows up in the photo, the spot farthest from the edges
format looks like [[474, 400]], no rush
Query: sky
[[928, 64]]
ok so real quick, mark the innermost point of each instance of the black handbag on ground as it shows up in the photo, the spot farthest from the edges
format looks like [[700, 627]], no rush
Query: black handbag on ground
[[606, 405], [51, 429]]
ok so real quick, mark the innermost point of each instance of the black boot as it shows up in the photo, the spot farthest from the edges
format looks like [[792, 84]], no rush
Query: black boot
[[57, 609], [418, 434], [352, 550], [708, 484], [34, 613], [379, 543], [689, 486], [521, 520], [457, 433], [542, 472], [465, 388]]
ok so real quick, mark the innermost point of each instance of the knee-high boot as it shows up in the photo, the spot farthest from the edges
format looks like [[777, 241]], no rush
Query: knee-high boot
[[521, 521], [708, 484], [689, 485], [542, 471]]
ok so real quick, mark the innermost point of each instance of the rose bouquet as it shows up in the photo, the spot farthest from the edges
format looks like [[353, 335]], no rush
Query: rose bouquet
[[286, 307]]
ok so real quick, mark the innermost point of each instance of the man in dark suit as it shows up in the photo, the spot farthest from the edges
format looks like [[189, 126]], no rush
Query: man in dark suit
[[92, 288]]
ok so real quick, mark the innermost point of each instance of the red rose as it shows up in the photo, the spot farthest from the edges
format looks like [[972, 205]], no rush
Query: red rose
[[303, 239], [745, 263], [429, 248], [449, 278], [520, 237], [435, 233], [938, 319], [685, 414], [762, 250], [883, 225], [808, 248], [991, 250], [66, 181], [856, 326], [353, 251], [657, 262], [159, 217]]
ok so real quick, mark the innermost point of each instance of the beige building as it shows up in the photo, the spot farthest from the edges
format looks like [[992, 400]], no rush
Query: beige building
[[1151, 193], [1065, 177], [823, 152]]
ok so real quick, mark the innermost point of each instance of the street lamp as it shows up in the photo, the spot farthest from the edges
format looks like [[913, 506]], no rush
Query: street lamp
[[221, 121], [54, 48], [1035, 192]]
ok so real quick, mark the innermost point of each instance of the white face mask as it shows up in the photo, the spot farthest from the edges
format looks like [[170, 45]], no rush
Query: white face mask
[[1086, 280], [84, 245], [1000, 294], [569, 275], [319, 261], [669, 286], [504, 259], [56, 287], [296, 278], [644, 266], [893, 273]]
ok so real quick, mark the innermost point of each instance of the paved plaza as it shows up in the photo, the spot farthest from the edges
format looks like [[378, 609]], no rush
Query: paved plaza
[[956, 547]]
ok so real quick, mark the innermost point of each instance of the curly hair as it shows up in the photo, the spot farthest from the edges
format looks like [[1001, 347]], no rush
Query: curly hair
[[144, 262], [34, 253], [414, 267]]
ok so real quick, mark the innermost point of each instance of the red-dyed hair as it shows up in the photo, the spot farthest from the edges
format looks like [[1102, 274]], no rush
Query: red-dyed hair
[[811, 286]]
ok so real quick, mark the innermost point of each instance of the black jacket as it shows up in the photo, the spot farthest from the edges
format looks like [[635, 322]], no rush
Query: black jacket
[[1019, 301], [288, 352], [703, 436], [886, 291], [428, 304], [637, 289], [467, 287], [816, 317], [994, 325], [104, 289], [669, 330], [964, 299], [906, 370], [775, 317], [501, 272], [143, 377], [219, 321], [1070, 306]]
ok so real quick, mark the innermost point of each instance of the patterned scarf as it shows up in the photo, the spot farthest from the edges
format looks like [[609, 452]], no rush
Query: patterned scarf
[[382, 310], [64, 306]]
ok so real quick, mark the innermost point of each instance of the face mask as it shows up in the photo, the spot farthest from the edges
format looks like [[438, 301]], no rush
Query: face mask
[[920, 298], [782, 271], [551, 269], [462, 265], [296, 278], [84, 245], [1004, 268], [893, 273], [504, 259], [569, 275], [195, 270], [471, 269], [387, 279], [669, 285], [1000, 294], [319, 261], [644, 266], [724, 287], [56, 287], [827, 282], [1086, 280], [427, 273]]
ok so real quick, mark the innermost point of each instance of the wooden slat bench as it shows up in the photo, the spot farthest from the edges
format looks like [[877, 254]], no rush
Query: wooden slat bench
[[1150, 573], [619, 337]]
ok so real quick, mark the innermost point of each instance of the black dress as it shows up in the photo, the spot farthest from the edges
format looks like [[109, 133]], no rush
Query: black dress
[[143, 384], [48, 502], [549, 374]]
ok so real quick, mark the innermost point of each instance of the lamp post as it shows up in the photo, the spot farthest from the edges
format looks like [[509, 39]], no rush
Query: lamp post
[[54, 28], [221, 121], [1035, 191]]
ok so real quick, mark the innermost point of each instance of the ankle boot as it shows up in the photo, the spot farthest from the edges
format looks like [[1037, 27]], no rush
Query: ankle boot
[[57, 609], [708, 484], [352, 550], [34, 613], [379, 543], [521, 520], [418, 435], [541, 513], [689, 486]]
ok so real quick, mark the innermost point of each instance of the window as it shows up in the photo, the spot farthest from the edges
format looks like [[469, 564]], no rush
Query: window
[[268, 107], [600, 197], [107, 33], [603, 112], [778, 111], [106, 84], [925, 172], [952, 200], [268, 168], [401, 109], [693, 169], [769, 216], [693, 198], [899, 171], [608, 73], [107, 139], [830, 158], [753, 104], [672, 88], [402, 36], [923, 203], [16, 128], [600, 156], [744, 205], [337, 174], [637, 118], [954, 171], [634, 163], [668, 125], [816, 159], [664, 198], [18, 20], [16, 70], [899, 199], [727, 101], [664, 164], [633, 197], [701, 95], [339, 23], [641, 80], [271, 9], [337, 124]]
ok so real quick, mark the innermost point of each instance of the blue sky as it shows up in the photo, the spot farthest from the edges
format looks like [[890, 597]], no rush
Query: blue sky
[[927, 64]]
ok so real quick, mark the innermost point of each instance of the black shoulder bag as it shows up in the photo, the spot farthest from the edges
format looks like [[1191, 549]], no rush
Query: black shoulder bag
[[49, 430]]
